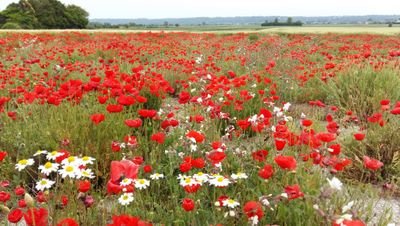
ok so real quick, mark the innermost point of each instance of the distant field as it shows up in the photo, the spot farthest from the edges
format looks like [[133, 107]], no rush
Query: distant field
[[375, 29]]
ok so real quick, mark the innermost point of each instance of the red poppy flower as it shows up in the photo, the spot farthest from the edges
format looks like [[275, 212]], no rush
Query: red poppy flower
[[326, 137], [147, 169], [293, 191], [359, 136], [34, 217], [141, 99], [334, 149], [349, 223], [4, 196], [306, 122], [114, 108], [286, 162], [19, 191], [102, 99], [196, 118], [375, 118], [198, 137], [145, 113], [65, 154], [260, 155], [15, 215], [64, 200], [97, 118], [253, 208], [266, 172], [184, 97], [133, 123], [371, 163], [198, 163], [158, 137], [192, 188], [84, 186], [395, 111], [127, 220], [185, 167], [138, 160], [216, 157], [280, 144], [68, 222], [3, 155], [21, 203], [126, 100], [332, 127], [188, 204], [120, 170]]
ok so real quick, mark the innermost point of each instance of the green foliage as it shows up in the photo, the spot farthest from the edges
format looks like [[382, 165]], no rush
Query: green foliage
[[10, 25], [47, 14], [361, 89], [78, 17], [381, 143]]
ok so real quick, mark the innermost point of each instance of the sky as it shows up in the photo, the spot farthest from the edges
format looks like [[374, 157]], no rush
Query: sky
[[131, 9]]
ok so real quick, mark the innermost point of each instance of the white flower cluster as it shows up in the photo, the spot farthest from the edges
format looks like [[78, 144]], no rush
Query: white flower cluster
[[73, 167]]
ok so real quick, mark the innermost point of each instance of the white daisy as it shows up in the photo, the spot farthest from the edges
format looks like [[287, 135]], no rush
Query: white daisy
[[87, 160], [141, 183], [69, 170], [219, 181], [48, 168], [230, 203], [87, 173], [72, 160], [126, 181], [201, 177], [53, 155], [23, 163], [239, 175], [157, 176], [39, 152], [125, 199], [44, 184], [188, 182]]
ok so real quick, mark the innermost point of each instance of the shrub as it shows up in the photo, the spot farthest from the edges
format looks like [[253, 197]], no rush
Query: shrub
[[11, 25]]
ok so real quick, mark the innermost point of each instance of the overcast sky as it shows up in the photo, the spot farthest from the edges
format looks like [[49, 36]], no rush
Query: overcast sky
[[221, 8]]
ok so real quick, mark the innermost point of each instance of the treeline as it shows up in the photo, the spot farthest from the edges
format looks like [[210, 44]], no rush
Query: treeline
[[43, 14], [98, 25], [276, 22]]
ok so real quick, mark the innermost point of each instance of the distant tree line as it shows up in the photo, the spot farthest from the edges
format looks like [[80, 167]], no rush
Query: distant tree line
[[99, 25], [289, 22], [43, 14]]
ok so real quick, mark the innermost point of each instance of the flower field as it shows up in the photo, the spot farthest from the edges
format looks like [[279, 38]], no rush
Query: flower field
[[198, 129]]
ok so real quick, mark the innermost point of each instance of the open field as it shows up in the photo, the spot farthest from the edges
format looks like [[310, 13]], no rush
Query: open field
[[309, 29], [128, 127]]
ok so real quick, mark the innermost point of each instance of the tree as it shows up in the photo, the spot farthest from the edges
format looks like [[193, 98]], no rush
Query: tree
[[289, 20], [21, 14], [77, 17], [47, 14]]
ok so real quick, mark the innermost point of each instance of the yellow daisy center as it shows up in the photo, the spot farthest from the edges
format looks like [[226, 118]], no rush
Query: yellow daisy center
[[48, 165], [220, 179], [23, 162], [69, 169], [43, 182]]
